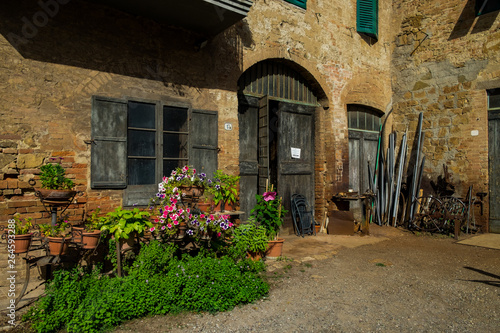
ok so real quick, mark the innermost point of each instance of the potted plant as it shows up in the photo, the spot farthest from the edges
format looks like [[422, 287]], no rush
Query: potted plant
[[55, 185], [250, 239], [56, 235], [125, 225], [224, 188], [91, 232], [269, 212], [187, 180], [22, 237]]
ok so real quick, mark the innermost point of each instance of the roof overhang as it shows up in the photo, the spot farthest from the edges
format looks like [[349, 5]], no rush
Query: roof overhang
[[205, 17]]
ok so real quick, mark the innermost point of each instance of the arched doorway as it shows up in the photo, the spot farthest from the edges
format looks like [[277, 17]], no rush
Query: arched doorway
[[276, 115]]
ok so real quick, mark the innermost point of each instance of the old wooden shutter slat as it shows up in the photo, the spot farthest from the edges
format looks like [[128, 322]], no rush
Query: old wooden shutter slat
[[204, 141], [108, 167], [300, 3], [367, 17]]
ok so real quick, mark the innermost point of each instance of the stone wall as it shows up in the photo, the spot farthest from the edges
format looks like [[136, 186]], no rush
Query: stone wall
[[443, 60]]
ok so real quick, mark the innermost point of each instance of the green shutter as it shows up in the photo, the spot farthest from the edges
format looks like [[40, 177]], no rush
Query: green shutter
[[300, 3], [203, 134], [367, 17], [108, 159]]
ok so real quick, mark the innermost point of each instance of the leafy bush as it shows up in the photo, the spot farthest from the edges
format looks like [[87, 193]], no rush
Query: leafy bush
[[158, 283]]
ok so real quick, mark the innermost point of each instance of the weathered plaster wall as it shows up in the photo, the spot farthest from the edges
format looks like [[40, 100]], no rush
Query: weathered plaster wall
[[443, 60]]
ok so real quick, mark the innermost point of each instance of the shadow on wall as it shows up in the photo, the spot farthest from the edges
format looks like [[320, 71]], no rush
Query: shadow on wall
[[468, 22], [91, 36]]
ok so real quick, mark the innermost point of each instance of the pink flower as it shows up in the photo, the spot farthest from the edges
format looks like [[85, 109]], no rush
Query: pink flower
[[162, 227], [212, 217], [175, 217], [194, 170], [185, 169], [202, 216], [169, 226], [188, 210], [156, 221], [218, 234], [165, 179], [181, 211], [176, 222], [230, 224], [173, 173], [152, 229], [174, 201], [268, 196]]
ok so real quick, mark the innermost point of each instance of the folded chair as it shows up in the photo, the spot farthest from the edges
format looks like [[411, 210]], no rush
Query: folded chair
[[302, 215]]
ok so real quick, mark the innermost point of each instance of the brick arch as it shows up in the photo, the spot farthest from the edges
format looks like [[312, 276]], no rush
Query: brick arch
[[367, 89], [304, 68]]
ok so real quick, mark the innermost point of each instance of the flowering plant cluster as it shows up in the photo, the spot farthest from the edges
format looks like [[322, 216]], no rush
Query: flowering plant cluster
[[269, 212], [170, 214], [58, 230], [186, 176]]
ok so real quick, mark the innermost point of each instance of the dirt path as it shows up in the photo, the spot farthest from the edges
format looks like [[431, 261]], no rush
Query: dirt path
[[404, 283]]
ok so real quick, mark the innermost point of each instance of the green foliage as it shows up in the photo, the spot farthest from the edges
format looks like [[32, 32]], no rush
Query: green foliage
[[249, 237], [224, 187], [53, 177], [58, 230], [22, 227], [159, 282], [123, 222], [94, 221], [269, 212]]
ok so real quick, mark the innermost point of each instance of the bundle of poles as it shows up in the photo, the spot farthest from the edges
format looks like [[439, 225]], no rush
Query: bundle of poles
[[393, 203]]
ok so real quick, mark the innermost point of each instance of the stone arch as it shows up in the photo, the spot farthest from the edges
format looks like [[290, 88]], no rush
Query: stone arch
[[304, 68]]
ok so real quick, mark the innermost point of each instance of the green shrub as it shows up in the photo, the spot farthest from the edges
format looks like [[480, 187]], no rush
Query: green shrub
[[158, 283]]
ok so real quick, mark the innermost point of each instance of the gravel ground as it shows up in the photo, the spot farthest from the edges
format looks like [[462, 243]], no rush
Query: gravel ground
[[408, 283]]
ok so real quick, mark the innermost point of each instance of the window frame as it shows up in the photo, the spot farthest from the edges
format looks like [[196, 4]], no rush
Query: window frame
[[136, 194]]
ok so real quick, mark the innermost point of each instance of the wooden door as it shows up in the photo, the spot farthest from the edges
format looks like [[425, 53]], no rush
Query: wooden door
[[494, 169], [295, 153]]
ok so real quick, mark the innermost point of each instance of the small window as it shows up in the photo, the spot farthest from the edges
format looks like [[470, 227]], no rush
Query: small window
[[300, 3], [363, 118], [367, 17], [494, 99], [486, 6]]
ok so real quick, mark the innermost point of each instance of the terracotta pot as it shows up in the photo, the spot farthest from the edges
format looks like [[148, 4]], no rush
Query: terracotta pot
[[181, 230], [22, 243], [217, 208], [192, 191], [317, 227], [204, 206], [90, 240], [55, 195], [254, 255], [77, 234], [56, 243], [275, 248], [128, 243]]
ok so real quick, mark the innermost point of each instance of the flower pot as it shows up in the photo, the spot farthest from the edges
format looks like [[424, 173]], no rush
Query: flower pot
[[77, 234], [317, 227], [90, 239], [55, 195], [217, 208], [58, 245], [275, 248], [204, 206], [126, 244], [255, 256], [192, 191], [22, 243]]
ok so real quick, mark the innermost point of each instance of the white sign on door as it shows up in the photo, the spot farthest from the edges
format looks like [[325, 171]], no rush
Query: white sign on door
[[295, 152]]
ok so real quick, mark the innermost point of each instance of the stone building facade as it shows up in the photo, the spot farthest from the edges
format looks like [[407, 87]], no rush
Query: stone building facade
[[57, 55]]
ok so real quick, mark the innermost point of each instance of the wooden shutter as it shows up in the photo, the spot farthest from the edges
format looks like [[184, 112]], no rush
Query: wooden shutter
[[300, 3], [108, 168], [263, 142], [367, 17], [203, 132]]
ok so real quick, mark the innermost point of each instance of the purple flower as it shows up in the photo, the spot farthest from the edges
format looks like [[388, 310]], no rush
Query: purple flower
[[217, 187], [189, 232]]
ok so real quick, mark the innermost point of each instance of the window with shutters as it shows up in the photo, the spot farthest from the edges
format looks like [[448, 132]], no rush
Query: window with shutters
[[300, 3], [137, 142], [367, 17]]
